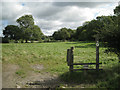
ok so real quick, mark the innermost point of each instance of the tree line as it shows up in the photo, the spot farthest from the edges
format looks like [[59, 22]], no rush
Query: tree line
[[25, 30]]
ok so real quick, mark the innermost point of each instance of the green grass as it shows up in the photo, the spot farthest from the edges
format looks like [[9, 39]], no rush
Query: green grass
[[53, 57]]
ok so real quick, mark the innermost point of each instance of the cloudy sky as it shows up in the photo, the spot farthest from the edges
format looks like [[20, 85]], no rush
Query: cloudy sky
[[51, 16]]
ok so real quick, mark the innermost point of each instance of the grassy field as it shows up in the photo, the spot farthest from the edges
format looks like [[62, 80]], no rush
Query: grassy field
[[52, 56]]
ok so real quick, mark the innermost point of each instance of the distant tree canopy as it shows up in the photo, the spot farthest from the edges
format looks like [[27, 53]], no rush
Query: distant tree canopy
[[84, 33], [94, 28], [88, 30], [111, 32], [26, 30], [117, 10], [63, 34], [12, 32], [37, 33], [30, 31]]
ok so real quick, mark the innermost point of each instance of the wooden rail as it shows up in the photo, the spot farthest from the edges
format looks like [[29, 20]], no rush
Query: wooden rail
[[84, 69], [85, 63]]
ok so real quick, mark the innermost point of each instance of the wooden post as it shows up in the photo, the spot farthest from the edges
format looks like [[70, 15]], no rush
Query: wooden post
[[68, 57], [71, 59], [97, 54]]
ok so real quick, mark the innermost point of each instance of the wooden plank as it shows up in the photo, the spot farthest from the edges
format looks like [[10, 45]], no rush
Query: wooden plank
[[85, 63], [85, 66], [71, 59], [97, 53], [68, 57], [85, 69]]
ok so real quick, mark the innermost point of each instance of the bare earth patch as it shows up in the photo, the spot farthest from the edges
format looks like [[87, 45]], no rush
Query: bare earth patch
[[33, 80], [8, 75], [37, 67]]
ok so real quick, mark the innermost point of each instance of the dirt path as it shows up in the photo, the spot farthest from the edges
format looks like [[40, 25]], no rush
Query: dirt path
[[0, 75], [33, 80], [8, 75]]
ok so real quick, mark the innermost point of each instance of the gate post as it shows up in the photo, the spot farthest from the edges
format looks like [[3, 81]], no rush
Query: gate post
[[71, 59], [97, 54], [68, 57]]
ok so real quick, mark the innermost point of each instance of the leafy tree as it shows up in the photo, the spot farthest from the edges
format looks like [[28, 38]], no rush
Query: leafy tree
[[12, 32], [61, 34], [86, 32], [117, 13], [78, 33], [37, 33], [30, 31], [26, 21], [64, 34], [72, 34], [26, 24], [92, 29], [107, 28], [56, 35], [117, 10], [111, 32]]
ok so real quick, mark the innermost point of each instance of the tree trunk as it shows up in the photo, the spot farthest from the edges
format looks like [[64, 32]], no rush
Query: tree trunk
[[16, 41], [26, 41], [22, 41], [31, 41]]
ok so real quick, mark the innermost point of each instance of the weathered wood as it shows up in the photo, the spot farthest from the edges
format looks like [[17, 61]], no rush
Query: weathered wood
[[68, 57], [97, 54], [85, 63], [84, 69], [85, 66], [71, 59]]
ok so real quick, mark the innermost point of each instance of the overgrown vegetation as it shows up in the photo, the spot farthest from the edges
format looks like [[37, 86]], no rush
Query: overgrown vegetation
[[64, 34], [107, 78]]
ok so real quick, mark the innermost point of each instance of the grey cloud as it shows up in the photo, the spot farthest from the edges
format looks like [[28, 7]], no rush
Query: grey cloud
[[7, 11], [44, 24], [50, 31], [80, 4], [49, 16], [44, 10], [69, 15], [12, 10]]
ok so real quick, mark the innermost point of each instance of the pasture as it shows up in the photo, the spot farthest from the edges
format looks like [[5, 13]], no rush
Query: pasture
[[46, 62]]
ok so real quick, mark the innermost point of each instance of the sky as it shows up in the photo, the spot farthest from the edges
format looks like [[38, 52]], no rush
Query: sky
[[52, 15]]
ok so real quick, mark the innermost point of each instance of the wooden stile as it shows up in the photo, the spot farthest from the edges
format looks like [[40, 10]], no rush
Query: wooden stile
[[70, 58]]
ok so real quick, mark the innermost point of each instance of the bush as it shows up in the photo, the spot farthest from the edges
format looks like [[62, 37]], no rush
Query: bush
[[40, 40], [5, 40]]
